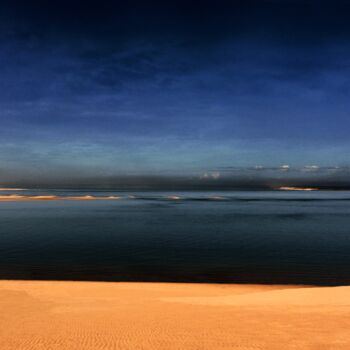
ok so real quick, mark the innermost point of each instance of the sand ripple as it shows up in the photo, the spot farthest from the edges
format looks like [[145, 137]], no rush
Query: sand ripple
[[89, 315]]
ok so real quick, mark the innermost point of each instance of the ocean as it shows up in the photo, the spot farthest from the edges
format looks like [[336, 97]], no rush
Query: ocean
[[282, 237]]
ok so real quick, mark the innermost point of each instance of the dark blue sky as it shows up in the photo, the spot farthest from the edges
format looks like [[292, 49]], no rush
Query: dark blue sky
[[109, 88]]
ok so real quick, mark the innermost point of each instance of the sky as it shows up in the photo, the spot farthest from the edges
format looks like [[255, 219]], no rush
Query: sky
[[201, 89]]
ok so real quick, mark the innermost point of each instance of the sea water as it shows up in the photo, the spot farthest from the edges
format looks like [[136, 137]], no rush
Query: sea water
[[234, 237]]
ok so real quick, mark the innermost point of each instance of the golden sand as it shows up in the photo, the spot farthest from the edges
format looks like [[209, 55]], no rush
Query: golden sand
[[92, 315], [27, 198]]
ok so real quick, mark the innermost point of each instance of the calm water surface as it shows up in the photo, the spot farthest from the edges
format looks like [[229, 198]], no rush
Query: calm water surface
[[254, 237]]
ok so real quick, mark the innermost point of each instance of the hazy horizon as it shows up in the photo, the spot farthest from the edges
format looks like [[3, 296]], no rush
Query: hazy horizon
[[238, 179]]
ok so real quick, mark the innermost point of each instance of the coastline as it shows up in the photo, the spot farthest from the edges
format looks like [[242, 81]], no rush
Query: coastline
[[27, 198], [110, 315]]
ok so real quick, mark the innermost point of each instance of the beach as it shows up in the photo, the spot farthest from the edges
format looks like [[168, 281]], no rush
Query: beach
[[104, 315]]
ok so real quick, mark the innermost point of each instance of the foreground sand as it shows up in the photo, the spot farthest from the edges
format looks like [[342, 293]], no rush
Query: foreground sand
[[89, 315]]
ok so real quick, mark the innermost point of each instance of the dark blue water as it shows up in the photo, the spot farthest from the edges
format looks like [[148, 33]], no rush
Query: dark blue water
[[250, 237]]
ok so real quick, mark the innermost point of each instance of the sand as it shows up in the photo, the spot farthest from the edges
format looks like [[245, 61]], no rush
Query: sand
[[26, 198], [92, 315]]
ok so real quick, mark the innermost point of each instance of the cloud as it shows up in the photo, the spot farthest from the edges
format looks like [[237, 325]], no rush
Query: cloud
[[210, 175], [309, 168]]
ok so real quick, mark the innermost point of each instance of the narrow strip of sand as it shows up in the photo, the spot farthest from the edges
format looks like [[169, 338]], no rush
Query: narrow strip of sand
[[92, 315], [27, 198]]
